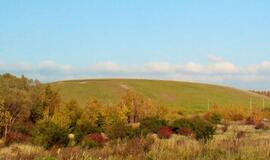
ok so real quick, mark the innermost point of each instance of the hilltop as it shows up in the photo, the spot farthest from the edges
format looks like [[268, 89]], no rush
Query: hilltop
[[183, 96]]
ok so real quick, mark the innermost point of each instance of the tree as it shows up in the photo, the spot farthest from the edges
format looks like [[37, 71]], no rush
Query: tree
[[37, 108], [66, 116], [74, 112], [51, 102], [15, 93], [92, 115], [131, 104], [134, 108], [5, 118]]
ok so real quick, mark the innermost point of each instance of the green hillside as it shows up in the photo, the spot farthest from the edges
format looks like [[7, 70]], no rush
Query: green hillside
[[184, 96]]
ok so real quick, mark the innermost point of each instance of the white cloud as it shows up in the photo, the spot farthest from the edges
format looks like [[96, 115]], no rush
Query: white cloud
[[261, 67], [194, 67], [222, 67], [216, 71]]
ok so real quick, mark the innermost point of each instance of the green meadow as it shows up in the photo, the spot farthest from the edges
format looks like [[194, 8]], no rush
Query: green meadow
[[181, 96]]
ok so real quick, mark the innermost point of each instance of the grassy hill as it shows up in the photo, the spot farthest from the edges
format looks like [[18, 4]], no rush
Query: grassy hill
[[184, 96]]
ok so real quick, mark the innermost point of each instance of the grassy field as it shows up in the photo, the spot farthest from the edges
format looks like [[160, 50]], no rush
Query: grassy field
[[183, 96]]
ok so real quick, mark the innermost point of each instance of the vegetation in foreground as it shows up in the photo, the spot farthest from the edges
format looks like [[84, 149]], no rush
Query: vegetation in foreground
[[239, 142], [36, 124]]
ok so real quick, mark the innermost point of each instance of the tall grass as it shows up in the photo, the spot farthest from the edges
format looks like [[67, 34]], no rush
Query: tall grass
[[254, 144]]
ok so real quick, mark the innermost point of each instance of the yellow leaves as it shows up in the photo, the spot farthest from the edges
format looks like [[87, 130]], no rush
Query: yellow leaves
[[66, 114], [61, 117], [230, 113], [134, 108], [4, 114], [91, 112]]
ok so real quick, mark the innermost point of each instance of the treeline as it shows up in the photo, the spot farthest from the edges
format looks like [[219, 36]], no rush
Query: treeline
[[24, 102], [32, 112], [266, 93]]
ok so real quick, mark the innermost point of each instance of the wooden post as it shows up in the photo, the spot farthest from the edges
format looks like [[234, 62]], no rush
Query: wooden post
[[208, 105], [250, 105], [263, 103]]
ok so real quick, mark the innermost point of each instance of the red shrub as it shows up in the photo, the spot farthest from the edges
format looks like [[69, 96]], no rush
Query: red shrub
[[185, 132], [260, 126], [165, 132], [15, 137], [93, 140], [96, 137], [250, 121]]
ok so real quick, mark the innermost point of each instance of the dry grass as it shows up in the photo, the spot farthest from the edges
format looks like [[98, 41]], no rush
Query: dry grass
[[254, 144]]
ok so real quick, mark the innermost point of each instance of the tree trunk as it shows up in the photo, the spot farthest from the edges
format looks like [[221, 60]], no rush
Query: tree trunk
[[5, 132]]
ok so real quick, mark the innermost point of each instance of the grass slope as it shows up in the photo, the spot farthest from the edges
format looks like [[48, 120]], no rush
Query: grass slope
[[184, 96]]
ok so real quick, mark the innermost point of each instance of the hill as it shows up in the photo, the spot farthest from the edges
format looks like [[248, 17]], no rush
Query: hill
[[183, 96]]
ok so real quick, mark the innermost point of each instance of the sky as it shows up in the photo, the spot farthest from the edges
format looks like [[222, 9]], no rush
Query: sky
[[220, 42]]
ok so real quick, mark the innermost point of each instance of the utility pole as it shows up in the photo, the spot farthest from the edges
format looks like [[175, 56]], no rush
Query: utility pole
[[208, 104], [263, 103], [250, 105]]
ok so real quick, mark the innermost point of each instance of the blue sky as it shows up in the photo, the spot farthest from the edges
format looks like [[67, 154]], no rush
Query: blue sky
[[223, 42]]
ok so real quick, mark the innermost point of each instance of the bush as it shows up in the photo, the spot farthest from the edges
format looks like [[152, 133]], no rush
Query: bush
[[185, 132], [260, 126], [85, 128], [15, 137], [214, 118], [202, 129], [230, 113], [119, 130], [250, 121], [165, 132], [151, 125], [48, 134], [97, 137], [237, 116], [135, 132], [24, 128], [181, 123], [93, 140]]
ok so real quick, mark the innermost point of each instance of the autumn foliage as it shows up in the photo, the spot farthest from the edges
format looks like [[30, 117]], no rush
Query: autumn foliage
[[165, 132]]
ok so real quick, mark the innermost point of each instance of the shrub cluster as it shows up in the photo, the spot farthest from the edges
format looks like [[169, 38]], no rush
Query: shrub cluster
[[202, 129], [165, 132], [228, 113], [185, 132], [212, 117], [260, 125], [48, 134], [151, 125], [250, 120], [93, 140], [181, 123], [15, 137]]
